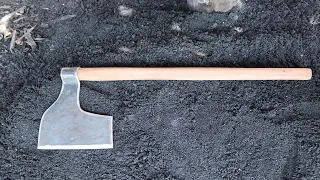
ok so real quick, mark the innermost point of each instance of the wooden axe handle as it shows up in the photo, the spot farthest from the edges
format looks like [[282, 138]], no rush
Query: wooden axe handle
[[193, 73]]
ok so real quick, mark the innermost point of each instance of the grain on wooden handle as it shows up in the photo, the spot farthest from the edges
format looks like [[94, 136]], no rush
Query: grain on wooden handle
[[193, 73]]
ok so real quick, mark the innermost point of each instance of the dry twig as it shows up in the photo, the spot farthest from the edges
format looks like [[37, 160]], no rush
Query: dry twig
[[13, 39]]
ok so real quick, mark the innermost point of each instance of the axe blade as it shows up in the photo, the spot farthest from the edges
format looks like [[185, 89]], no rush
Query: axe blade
[[66, 126]]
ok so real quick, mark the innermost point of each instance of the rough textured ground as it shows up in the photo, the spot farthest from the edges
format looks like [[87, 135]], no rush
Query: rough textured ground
[[169, 130]]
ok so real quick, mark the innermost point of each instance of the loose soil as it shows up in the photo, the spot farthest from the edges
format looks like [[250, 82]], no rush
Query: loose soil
[[168, 129]]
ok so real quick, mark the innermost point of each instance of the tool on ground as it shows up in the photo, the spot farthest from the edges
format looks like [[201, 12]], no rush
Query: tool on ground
[[66, 126]]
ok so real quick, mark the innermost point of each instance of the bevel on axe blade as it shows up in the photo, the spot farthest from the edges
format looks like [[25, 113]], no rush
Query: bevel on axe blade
[[64, 125]]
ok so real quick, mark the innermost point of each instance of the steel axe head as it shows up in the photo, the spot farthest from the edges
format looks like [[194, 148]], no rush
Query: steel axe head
[[66, 126]]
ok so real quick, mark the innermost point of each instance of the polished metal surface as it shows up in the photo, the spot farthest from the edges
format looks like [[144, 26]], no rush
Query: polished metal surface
[[66, 126]]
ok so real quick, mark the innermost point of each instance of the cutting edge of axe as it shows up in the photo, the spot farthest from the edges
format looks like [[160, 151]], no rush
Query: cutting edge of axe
[[64, 125]]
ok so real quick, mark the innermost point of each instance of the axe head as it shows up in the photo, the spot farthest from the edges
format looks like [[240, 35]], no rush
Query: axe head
[[66, 126]]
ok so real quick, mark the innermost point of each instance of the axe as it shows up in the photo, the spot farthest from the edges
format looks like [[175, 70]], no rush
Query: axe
[[64, 125]]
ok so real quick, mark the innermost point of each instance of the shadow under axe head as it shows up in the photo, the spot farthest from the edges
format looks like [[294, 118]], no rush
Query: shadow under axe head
[[66, 126]]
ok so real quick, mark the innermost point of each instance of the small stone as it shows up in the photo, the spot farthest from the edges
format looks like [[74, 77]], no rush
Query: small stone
[[26, 49], [238, 29], [314, 20], [125, 11], [125, 49], [175, 26], [212, 5], [233, 16], [44, 25]]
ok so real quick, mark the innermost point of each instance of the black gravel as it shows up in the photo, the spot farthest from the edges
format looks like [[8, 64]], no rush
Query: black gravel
[[169, 129]]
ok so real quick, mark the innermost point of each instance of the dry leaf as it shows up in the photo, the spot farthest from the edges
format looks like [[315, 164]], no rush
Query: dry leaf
[[26, 49], [8, 17], [30, 41], [27, 31]]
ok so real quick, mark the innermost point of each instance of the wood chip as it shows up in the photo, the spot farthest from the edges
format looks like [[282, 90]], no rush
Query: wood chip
[[13, 39]]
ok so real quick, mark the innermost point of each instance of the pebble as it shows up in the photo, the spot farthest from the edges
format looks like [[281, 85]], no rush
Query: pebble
[[212, 5]]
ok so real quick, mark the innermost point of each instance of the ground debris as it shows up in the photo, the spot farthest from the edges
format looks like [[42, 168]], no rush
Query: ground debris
[[5, 22], [125, 11], [175, 26], [30, 40], [63, 18], [125, 49], [315, 19], [13, 39], [19, 19], [18, 26], [39, 39], [5, 7], [238, 29], [197, 53], [27, 31], [213, 5]]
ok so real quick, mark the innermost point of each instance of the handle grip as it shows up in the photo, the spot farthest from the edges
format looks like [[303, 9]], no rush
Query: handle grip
[[192, 73]]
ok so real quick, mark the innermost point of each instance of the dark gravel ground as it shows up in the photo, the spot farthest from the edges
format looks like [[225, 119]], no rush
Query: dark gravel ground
[[168, 129]]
